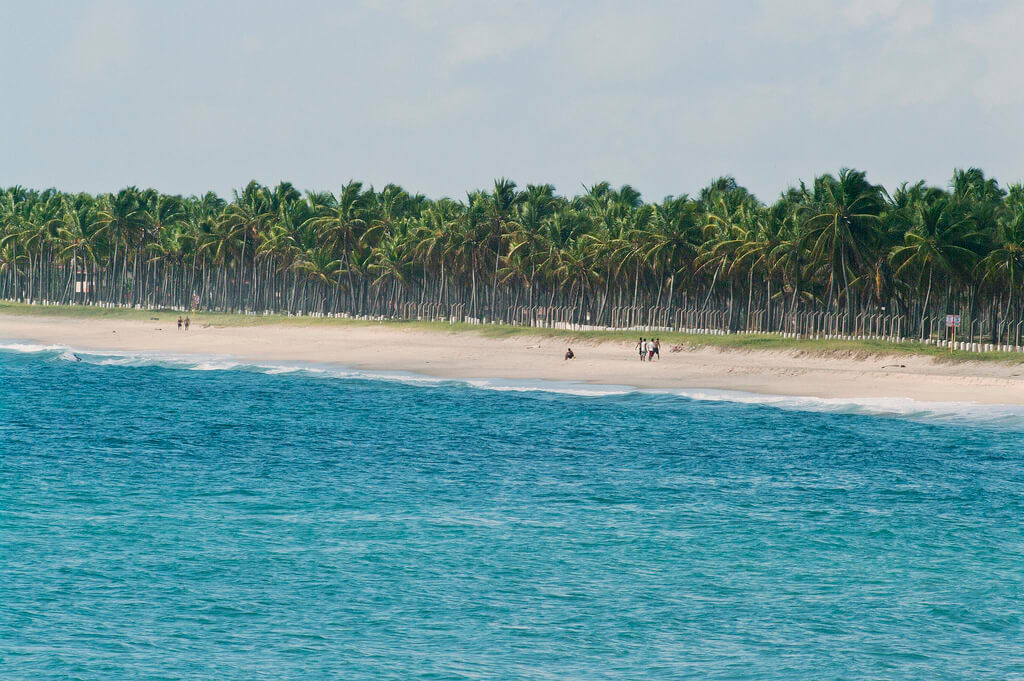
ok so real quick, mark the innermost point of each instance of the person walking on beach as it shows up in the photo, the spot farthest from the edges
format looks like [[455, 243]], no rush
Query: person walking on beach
[[642, 347], [179, 322], [186, 322], [650, 350], [657, 348]]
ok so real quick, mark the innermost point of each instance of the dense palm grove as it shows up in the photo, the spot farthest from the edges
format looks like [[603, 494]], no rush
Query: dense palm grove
[[841, 256]]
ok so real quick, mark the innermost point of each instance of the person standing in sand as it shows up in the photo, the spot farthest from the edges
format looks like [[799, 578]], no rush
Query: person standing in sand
[[186, 322], [657, 348], [642, 347]]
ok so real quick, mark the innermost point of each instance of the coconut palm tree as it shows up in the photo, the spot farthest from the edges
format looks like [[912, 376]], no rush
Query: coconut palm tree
[[1004, 265], [844, 227], [939, 240], [122, 219], [674, 239]]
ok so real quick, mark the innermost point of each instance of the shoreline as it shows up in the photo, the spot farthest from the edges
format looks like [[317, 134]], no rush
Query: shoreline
[[467, 355]]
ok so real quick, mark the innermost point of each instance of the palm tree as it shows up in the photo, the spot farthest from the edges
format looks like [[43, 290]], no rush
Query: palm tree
[[938, 240], [629, 248], [122, 217], [320, 265], [847, 211], [79, 231], [674, 239], [498, 215], [1005, 263], [761, 242], [342, 222]]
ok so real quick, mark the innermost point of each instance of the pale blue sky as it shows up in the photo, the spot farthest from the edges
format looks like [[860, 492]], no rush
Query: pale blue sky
[[444, 96]]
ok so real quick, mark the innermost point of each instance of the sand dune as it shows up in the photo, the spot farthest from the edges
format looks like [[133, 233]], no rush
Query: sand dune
[[469, 355]]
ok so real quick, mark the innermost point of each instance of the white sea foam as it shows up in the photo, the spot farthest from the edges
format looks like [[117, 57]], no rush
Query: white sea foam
[[20, 346], [214, 366], [274, 371], [1001, 415], [564, 388], [879, 406]]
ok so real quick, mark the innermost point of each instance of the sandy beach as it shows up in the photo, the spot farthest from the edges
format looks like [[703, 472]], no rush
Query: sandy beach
[[470, 355]]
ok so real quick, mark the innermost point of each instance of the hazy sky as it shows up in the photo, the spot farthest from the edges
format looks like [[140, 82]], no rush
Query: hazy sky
[[442, 96]]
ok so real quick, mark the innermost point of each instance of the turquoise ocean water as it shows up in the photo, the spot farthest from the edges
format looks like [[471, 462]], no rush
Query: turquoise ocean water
[[168, 518]]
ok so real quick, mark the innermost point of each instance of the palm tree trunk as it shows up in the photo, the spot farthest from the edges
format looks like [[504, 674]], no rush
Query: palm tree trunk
[[927, 297]]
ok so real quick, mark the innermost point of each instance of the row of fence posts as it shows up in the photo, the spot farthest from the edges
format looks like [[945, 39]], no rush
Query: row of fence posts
[[686, 320], [966, 346], [810, 324]]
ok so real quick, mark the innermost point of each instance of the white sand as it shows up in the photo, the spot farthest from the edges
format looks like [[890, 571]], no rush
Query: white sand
[[469, 355]]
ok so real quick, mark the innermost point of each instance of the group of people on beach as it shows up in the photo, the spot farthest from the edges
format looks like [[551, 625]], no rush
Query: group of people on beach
[[649, 349], [186, 322]]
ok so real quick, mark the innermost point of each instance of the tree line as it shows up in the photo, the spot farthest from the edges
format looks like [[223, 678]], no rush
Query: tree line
[[835, 256]]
